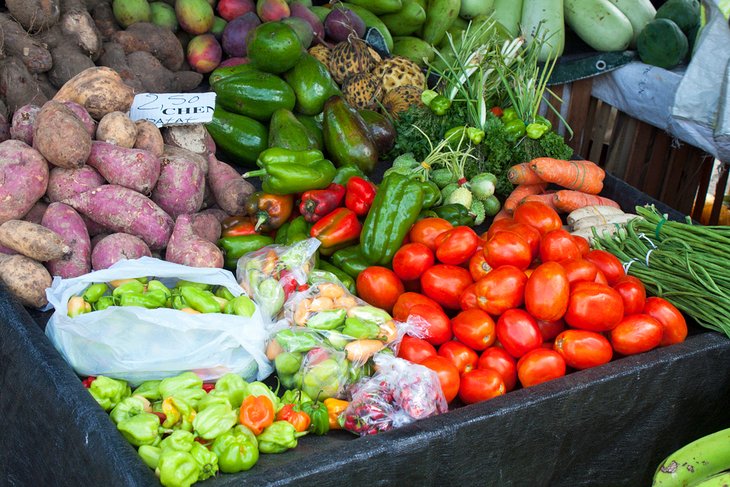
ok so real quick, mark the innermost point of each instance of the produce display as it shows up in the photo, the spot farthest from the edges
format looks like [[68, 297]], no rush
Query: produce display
[[379, 212]]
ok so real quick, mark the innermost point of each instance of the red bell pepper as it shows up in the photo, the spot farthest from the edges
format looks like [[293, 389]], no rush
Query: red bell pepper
[[317, 203], [291, 413], [360, 195], [234, 226], [336, 230]]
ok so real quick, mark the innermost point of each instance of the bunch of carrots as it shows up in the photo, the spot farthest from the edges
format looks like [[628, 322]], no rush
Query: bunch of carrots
[[581, 180]]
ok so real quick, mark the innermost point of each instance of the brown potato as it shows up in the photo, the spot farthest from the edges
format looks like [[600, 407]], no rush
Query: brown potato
[[60, 136], [26, 279], [100, 90], [118, 129]]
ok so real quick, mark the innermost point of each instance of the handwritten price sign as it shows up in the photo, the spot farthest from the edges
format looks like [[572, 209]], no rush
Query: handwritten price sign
[[173, 108]]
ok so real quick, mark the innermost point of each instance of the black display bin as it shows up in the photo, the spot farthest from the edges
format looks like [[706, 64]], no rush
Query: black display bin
[[607, 426]]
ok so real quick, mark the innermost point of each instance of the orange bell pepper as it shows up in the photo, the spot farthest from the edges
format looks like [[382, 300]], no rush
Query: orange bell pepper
[[257, 412]]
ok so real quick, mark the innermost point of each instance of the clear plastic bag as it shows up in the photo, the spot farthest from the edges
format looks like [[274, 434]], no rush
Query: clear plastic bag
[[138, 344], [271, 274], [399, 393]]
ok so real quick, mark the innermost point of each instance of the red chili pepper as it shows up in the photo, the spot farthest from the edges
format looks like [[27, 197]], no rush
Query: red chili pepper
[[498, 112], [161, 416], [336, 230], [87, 382], [238, 225], [360, 195], [208, 387], [317, 203]]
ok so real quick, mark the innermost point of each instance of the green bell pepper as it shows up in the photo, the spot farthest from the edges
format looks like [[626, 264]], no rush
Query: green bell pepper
[[288, 363], [213, 398], [396, 207], [177, 468], [206, 459], [131, 406], [285, 171], [186, 386], [141, 429], [94, 292], [133, 286], [327, 319], [295, 396], [109, 392], [103, 303], [237, 246], [318, 415], [456, 214], [150, 455], [149, 389], [431, 194], [350, 260], [200, 300], [280, 237], [234, 387], [179, 440], [214, 420], [240, 306], [237, 450], [278, 437], [344, 173], [298, 230], [360, 329]]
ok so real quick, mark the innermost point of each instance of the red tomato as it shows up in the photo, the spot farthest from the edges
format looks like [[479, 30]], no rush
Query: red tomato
[[507, 248], [547, 292], [406, 301], [636, 334], [481, 385], [468, 298], [583, 245], [379, 286], [601, 278], [633, 293], [447, 373], [478, 266], [444, 284], [594, 307], [538, 366], [463, 357], [558, 245], [518, 332], [495, 227], [580, 270], [583, 349], [501, 289], [425, 231], [529, 233], [675, 326], [437, 325], [456, 246], [474, 328], [412, 260], [606, 263], [415, 349], [550, 329], [497, 359], [538, 215]]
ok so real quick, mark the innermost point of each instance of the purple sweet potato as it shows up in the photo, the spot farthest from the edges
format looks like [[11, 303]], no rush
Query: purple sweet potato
[[35, 215], [149, 138], [206, 226], [21, 127], [98, 238], [181, 186], [7, 251], [124, 210], [66, 222], [219, 214], [132, 168], [26, 279], [60, 136], [94, 228], [65, 183], [23, 179], [229, 189], [33, 240], [187, 248], [83, 115], [115, 247], [4, 128]]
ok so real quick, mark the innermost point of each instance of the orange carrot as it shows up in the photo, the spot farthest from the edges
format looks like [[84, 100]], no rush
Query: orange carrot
[[567, 200], [584, 176], [520, 192], [544, 198], [522, 174]]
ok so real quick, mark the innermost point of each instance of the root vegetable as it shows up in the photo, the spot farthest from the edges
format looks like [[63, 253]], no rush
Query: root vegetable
[[21, 127], [34, 15], [17, 42], [4, 129], [158, 41], [18, 86], [32, 240], [206, 226], [60, 136], [118, 129], [194, 138], [125, 210], [585, 176], [522, 174], [567, 200], [187, 248], [23, 179], [94, 228], [132, 168], [68, 61], [181, 186], [156, 78], [149, 138], [115, 247], [66, 183], [26, 279], [46, 86], [67, 223], [104, 20], [591, 211], [83, 115], [229, 189], [519, 193], [78, 26], [100, 90], [113, 56], [35, 214]]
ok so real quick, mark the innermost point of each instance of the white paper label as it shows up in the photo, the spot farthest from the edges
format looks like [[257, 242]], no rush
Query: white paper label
[[173, 108]]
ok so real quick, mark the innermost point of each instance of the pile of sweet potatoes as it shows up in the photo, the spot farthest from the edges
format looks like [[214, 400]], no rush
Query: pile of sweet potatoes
[[83, 186]]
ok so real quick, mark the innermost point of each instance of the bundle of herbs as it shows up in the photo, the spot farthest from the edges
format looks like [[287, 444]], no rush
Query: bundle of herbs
[[681, 262]]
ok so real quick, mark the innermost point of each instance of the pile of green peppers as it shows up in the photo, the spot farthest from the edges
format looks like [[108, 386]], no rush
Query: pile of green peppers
[[187, 431], [192, 297]]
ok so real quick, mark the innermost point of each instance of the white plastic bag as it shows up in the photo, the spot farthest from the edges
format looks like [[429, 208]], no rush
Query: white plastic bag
[[138, 344]]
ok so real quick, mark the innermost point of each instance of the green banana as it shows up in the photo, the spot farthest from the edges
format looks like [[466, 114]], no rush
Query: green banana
[[719, 480], [695, 462]]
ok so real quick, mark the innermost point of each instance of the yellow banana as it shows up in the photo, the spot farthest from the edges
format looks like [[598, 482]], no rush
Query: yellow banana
[[695, 462]]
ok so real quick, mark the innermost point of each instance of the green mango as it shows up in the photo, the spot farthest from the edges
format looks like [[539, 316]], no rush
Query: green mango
[[413, 48], [312, 84], [346, 136], [314, 128], [287, 132], [320, 11], [254, 93], [380, 7], [241, 137], [407, 21]]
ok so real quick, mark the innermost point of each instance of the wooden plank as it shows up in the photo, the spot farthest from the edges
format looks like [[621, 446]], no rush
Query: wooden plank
[[691, 179], [720, 190], [580, 101], [656, 168], [598, 132], [705, 176], [619, 150], [638, 157], [671, 186]]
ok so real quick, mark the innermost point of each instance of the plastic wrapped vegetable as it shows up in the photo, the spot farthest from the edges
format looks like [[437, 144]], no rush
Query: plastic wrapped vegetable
[[399, 393]]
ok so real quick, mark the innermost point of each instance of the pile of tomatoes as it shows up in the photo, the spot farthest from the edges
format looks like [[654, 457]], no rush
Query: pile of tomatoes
[[523, 303]]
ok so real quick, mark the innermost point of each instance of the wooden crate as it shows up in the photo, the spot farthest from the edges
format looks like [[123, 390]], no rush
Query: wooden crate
[[644, 156]]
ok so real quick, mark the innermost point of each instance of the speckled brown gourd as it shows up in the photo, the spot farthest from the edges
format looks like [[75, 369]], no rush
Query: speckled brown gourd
[[362, 90], [348, 58], [399, 99], [399, 71]]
